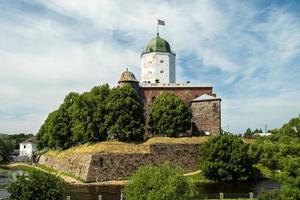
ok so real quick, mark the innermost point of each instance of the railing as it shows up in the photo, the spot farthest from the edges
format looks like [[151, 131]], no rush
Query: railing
[[220, 196]]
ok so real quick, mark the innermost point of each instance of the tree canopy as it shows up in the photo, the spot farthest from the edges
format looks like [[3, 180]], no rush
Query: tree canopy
[[125, 114], [280, 153], [37, 185], [225, 158], [159, 183], [6, 148], [170, 115], [87, 114], [93, 116]]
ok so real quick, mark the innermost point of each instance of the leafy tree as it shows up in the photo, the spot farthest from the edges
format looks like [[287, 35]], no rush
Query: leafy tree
[[257, 131], [292, 128], [6, 148], [170, 115], [125, 114], [56, 130], [36, 186], [159, 183], [290, 179], [225, 158], [88, 114], [280, 152]]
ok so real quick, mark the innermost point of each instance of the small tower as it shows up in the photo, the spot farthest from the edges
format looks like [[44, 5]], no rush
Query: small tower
[[158, 62], [128, 78]]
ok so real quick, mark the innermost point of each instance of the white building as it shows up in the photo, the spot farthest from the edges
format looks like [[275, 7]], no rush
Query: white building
[[28, 147], [158, 62]]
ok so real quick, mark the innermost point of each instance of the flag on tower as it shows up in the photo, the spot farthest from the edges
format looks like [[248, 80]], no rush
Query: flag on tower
[[160, 22]]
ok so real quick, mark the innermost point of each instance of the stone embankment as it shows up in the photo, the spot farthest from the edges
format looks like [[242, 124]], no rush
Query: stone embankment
[[103, 166]]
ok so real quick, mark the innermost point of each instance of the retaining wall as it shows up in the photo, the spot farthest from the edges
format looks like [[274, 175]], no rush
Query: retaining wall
[[114, 166]]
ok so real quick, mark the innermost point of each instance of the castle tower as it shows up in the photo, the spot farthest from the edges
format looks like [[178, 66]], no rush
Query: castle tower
[[128, 78], [158, 62]]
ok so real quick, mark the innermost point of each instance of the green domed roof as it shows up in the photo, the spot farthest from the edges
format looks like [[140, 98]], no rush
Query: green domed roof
[[158, 44]]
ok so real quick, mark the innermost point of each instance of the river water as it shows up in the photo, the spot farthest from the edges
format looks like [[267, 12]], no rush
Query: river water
[[113, 192]]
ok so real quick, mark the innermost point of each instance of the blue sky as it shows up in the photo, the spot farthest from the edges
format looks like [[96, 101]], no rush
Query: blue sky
[[248, 50]]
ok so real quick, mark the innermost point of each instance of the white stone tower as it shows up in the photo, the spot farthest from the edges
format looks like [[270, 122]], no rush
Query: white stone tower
[[158, 62]]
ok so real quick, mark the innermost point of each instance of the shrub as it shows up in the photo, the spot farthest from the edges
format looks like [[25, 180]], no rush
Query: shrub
[[159, 183], [36, 186], [269, 195], [225, 158]]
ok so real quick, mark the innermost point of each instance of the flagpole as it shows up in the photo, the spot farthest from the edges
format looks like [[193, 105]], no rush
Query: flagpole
[[157, 28]]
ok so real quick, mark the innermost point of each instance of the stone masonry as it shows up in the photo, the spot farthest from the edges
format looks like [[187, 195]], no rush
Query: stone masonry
[[206, 116], [113, 166]]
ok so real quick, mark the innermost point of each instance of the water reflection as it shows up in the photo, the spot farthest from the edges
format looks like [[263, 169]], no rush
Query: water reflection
[[239, 187]]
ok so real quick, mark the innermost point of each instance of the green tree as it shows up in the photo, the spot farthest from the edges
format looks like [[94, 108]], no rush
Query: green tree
[[88, 114], [6, 148], [225, 158], [248, 133], [280, 152], [257, 131], [56, 130], [290, 179], [159, 183], [292, 128], [125, 114], [170, 115], [36, 186]]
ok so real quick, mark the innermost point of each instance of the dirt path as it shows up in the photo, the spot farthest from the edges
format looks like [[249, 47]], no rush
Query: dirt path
[[73, 181], [192, 173]]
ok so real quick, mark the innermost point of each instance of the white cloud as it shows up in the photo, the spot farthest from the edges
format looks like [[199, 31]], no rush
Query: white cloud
[[246, 51]]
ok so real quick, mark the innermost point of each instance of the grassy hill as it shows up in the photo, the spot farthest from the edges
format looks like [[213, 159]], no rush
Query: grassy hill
[[123, 147]]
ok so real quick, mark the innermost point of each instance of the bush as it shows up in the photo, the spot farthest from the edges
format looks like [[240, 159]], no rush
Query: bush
[[36, 186], [269, 195], [225, 158], [159, 183], [170, 115]]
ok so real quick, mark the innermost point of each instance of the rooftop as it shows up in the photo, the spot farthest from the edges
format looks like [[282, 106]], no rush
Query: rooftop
[[206, 97], [186, 85], [31, 140], [127, 76], [158, 44]]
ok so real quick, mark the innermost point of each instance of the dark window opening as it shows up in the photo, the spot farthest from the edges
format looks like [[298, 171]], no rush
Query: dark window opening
[[153, 99]]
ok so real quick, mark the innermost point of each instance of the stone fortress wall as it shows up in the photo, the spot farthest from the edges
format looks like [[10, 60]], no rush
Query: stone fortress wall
[[92, 167]]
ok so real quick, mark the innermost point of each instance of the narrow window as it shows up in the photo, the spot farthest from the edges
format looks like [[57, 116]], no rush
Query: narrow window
[[153, 99]]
